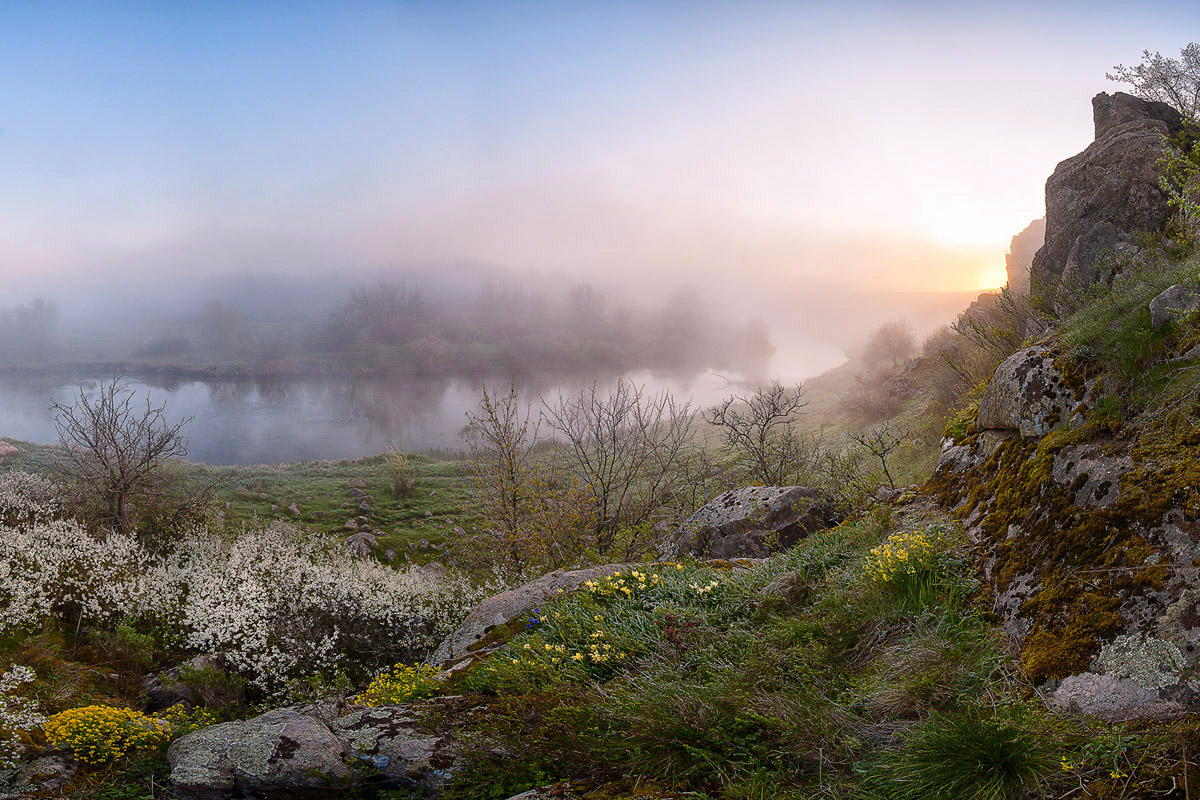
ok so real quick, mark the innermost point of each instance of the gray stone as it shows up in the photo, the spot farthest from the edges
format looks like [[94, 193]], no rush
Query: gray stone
[[754, 521], [351, 524], [355, 492], [1175, 302], [390, 739], [362, 543], [506, 607], [44, 776], [279, 754], [1099, 200], [294, 509], [365, 507], [1110, 698], [1029, 393], [7, 449]]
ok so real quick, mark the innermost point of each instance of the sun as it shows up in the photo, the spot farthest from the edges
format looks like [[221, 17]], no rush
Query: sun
[[992, 277]]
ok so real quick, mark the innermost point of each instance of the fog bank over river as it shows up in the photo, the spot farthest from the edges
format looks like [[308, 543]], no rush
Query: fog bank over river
[[270, 422]]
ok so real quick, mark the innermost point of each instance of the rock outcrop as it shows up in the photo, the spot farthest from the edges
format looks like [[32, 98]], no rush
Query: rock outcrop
[[1174, 303], [1019, 258], [281, 753], [1098, 201], [755, 521], [486, 628], [1035, 391]]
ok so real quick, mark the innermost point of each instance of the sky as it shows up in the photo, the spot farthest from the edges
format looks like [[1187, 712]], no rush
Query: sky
[[871, 145]]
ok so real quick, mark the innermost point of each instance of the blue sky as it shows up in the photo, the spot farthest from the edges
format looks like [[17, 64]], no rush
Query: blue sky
[[876, 144]]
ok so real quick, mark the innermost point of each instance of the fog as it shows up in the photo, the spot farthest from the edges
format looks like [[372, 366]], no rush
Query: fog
[[594, 188]]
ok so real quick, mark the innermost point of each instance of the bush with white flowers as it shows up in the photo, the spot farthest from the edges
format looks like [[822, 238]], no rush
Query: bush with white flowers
[[26, 497], [16, 714], [281, 602]]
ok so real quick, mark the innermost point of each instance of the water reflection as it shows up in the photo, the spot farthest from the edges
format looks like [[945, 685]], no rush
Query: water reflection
[[276, 421]]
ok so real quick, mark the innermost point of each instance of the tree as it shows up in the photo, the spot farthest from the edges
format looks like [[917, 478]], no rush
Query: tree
[[628, 449], [115, 451], [881, 443], [220, 324], [1167, 80], [534, 514], [892, 340], [760, 433]]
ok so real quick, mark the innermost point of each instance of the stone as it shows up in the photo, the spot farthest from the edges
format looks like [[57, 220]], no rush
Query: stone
[[7, 449], [754, 521], [1098, 201], [365, 507], [1175, 302], [44, 776], [1110, 698], [1035, 391], [389, 554], [281, 753], [1021, 251], [355, 492], [351, 524], [294, 509], [390, 739], [363, 520], [165, 689], [361, 544]]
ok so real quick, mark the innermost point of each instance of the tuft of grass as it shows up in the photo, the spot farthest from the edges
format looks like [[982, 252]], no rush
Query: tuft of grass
[[969, 754]]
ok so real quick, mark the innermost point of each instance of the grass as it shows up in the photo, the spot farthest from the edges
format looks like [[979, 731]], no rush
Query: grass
[[438, 502]]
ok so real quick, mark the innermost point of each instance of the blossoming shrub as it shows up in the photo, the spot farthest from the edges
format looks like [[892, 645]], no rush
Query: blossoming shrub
[[56, 568], [25, 497], [400, 684], [95, 734], [283, 603], [16, 714]]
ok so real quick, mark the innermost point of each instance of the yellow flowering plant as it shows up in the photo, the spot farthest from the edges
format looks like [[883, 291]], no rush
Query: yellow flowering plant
[[913, 563], [96, 734], [401, 684]]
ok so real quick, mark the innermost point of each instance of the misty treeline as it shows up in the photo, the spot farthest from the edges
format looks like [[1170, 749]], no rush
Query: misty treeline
[[510, 327], [610, 475], [28, 331], [421, 324]]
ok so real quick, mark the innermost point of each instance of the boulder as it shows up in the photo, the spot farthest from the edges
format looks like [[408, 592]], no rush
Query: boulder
[[390, 739], [1172, 304], [756, 520], [7, 449], [44, 776], [1035, 391], [361, 543], [279, 754], [294, 509], [1098, 201], [1111, 698]]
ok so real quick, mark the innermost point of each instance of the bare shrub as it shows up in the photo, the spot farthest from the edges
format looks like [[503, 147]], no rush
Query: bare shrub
[[117, 455], [761, 435], [628, 448], [881, 443], [871, 396], [535, 514]]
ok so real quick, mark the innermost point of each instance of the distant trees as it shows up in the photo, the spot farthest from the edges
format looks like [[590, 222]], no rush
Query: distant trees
[[220, 324], [892, 340], [28, 330], [386, 312], [1175, 82]]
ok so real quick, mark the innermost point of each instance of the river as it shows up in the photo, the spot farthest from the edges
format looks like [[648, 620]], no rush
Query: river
[[279, 421]]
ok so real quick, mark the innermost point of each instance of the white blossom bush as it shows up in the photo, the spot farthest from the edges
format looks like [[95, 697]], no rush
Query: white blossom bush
[[16, 714], [26, 497], [56, 568], [280, 602]]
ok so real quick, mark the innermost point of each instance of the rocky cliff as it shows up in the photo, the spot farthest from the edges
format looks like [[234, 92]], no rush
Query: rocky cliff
[[1019, 258], [1100, 201]]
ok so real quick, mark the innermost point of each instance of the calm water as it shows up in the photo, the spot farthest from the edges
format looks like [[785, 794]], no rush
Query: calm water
[[271, 422]]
